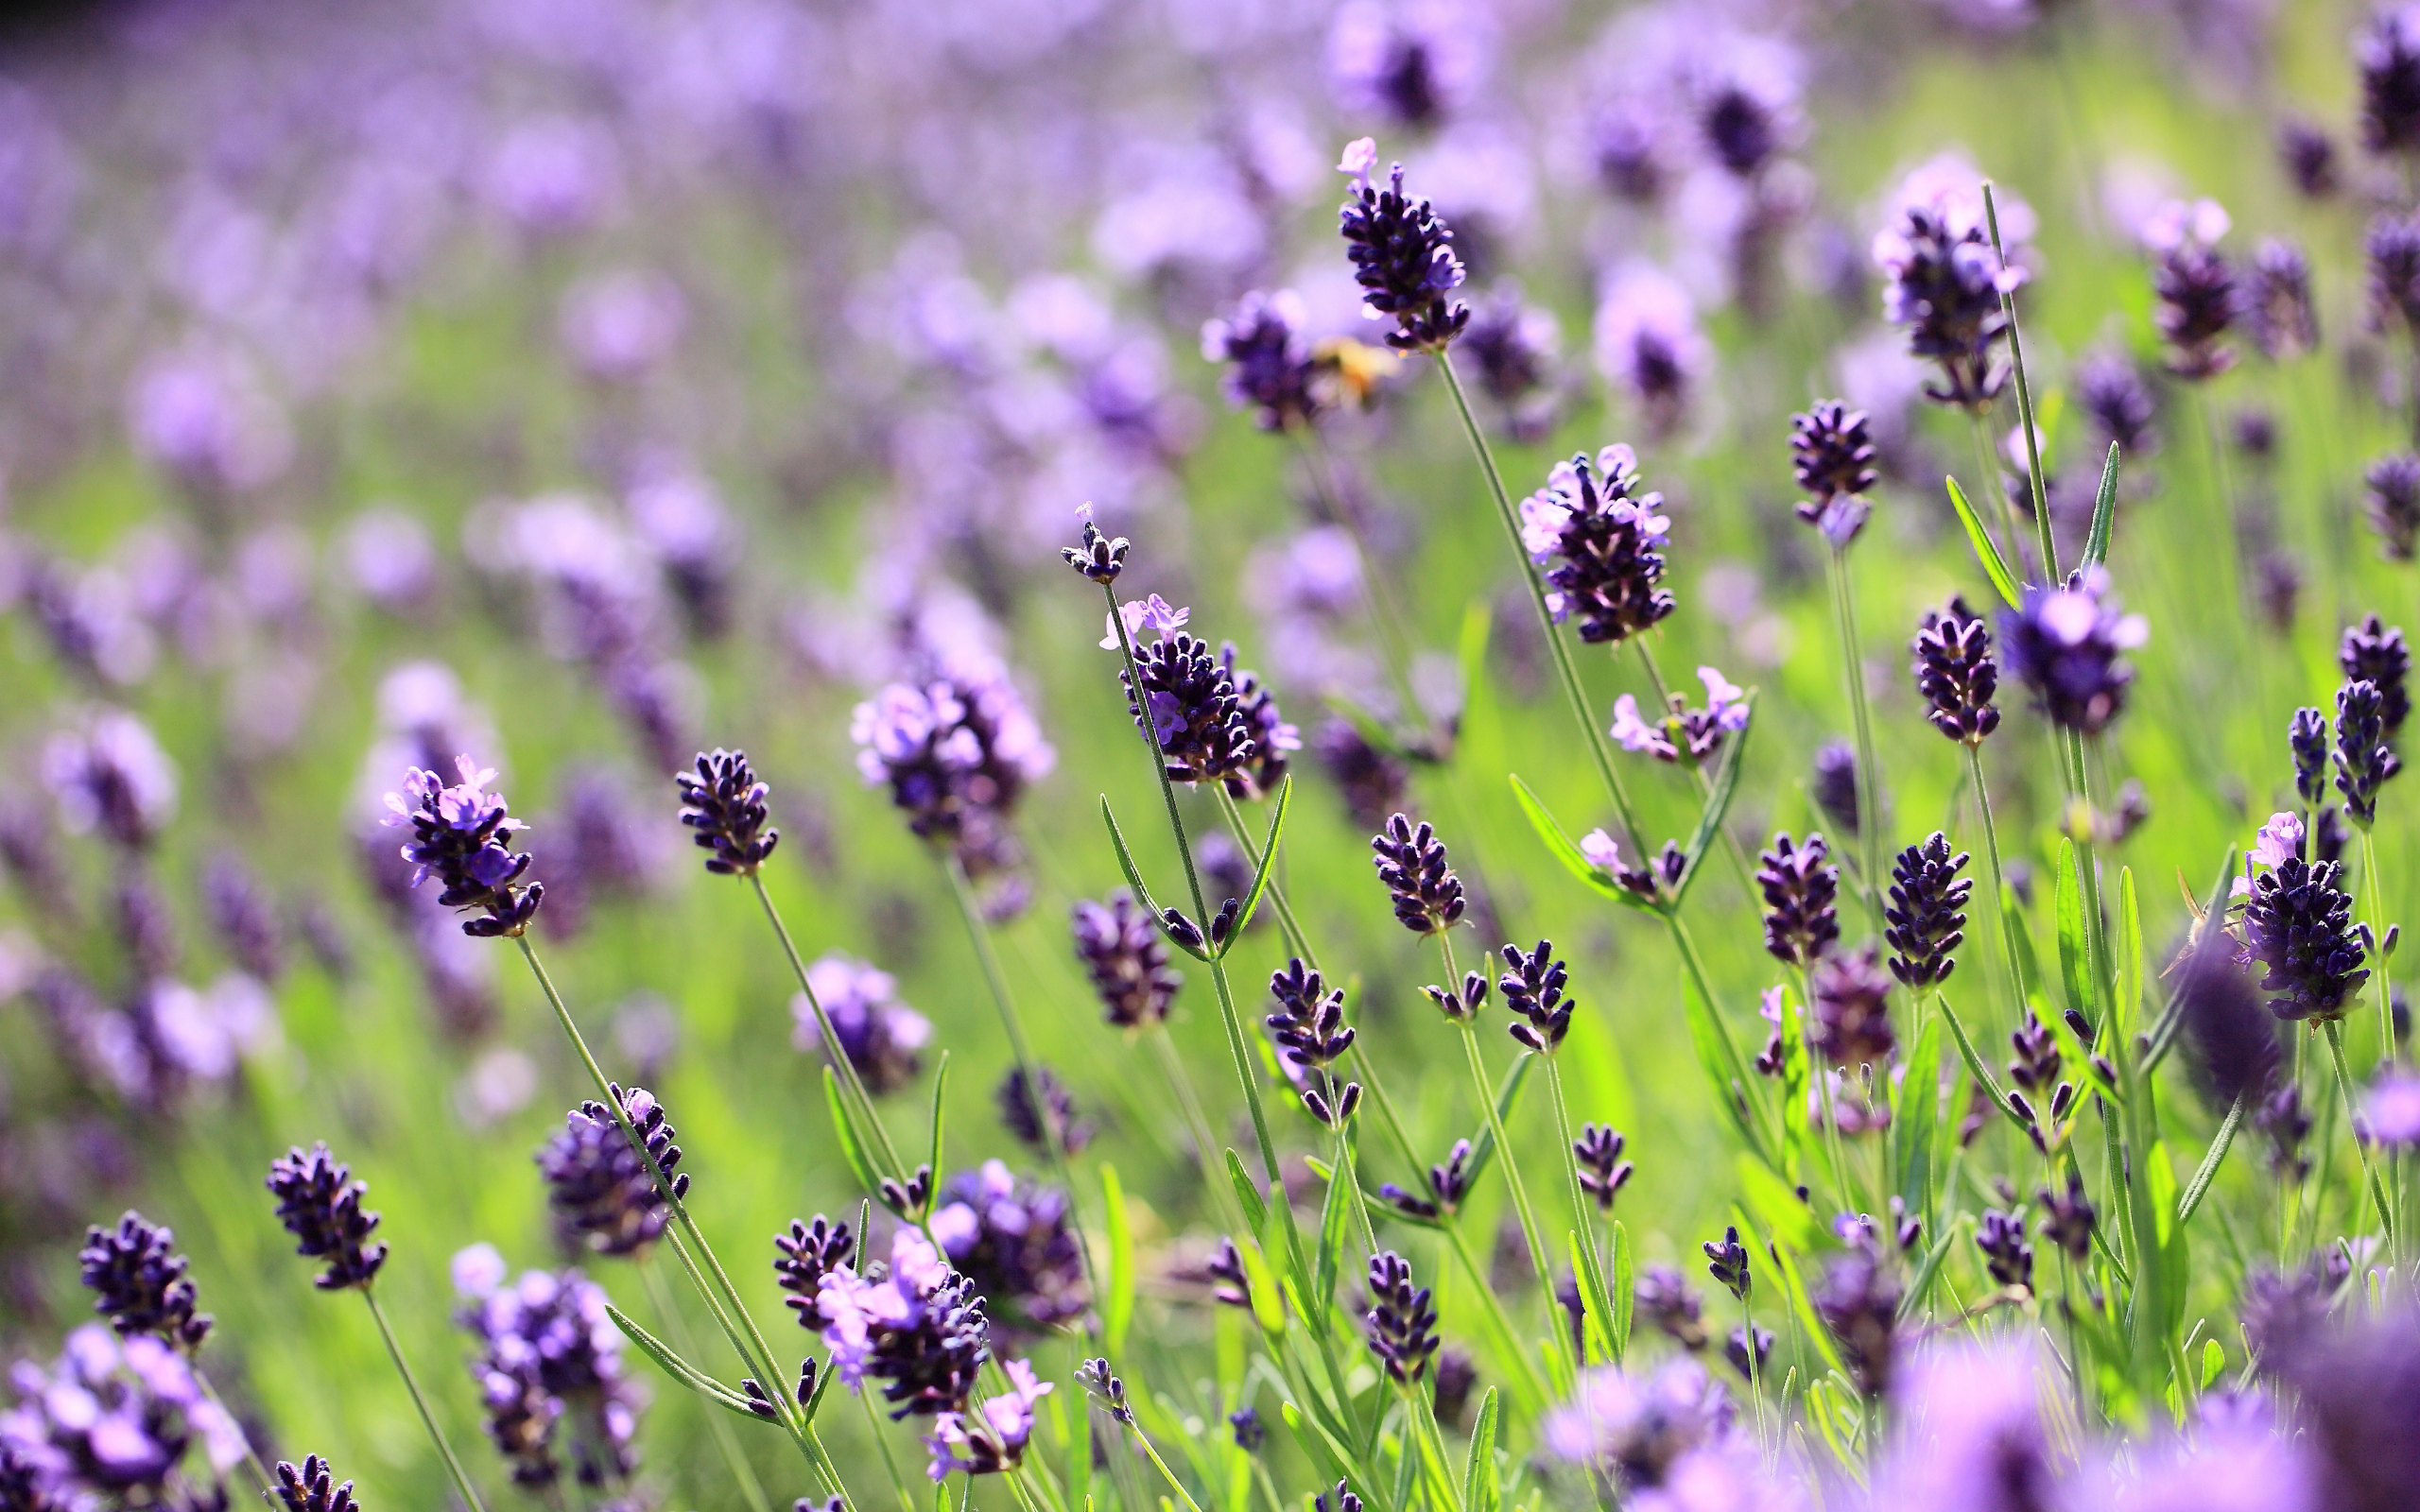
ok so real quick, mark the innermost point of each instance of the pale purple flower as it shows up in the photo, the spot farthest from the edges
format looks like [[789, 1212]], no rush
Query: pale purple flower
[[2390, 1111], [2180, 223], [1647, 342], [882, 1036], [202, 417], [1966, 1417], [994, 1438], [1639, 1429], [109, 775], [1635, 733], [1155, 614], [388, 555], [616, 326], [1601, 851]]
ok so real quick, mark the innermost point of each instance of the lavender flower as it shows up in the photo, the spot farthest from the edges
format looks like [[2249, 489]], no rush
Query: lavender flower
[[1955, 673], [1858, 1301], [1515, 346], [2298, 924], [1345, 1500], [312, 1488], [1403, 256], [2067, 645], [244, 915], [803, 1257], [1834, 785], [548, 1350], [2364, 761], [1852, 1018], [1800, 889], [1601, 546], [1648, 1433], [724, 804], [2391, 1109], [2386, 56], [599, 1187], [2374, 652], [920, 1329], [139, 1283], [1926, 912], [463, 834], [1014, 1243], [2006, 1254], [1684, 734], [1373, 781], [1666, 1301], [2307, 737], [2111, 389], [883, 1038], [1197, 717], [2309, 154], [1604, 854], [111, 776], [1413, 62], [1832, 455], [1412, 862], [110, 1424], [1942, 281], [1270, 366], [2069, 1217], [1094, 1376], [320, 1204], [1401, 1322], [2278, 306], [1247, 1431], [2193, 288], [1273, 740], [2391, 248], [1727, 1263], [1448, 1184], [1648, 344], [956, 753], [1533, 985], [2393, 503], [1604, 1173], [992, 1439], [1100, 557], [1040, 1121], [2237, 1054], [1126, 961], [1311, 1036]]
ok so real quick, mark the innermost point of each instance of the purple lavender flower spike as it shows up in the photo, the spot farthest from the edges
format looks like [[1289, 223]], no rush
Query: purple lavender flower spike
[[1533, 985], [111, 1424], [1926, 912], [2193, 288], [2111, 389], [803, 1258], [320, 1204], [1801, 889], [1648, 344], [1412, 865], [2375, 652], [110, 776], [1311, 1035], [2392, 502], [2387, 56], [139, 1283], [1601, 546], [1403, 256], [1449, 1183], [992, 1439], [312, 1487], [548, 1351], [1832, 456], [1942, 280], [1126, 961], [1955, 674], [1196, 715], [2364, 761], [2298, 925], [1401, 1322], [1833, 786], [1271, 369], [2391, 248], [1604, 1173], [1515, 346], [920, 1328], [2278, 306], [1044, 1118], [1852, 1008], [2068, 645], [599, 1187], [1015, 1242], [883, 1038], [723, 805], [463, 836]]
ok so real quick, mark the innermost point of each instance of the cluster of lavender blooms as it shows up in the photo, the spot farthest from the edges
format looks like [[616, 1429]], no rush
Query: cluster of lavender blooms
[[548, 1353]]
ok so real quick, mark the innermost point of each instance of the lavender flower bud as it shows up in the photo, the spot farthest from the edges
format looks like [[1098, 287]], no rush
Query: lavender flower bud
[[1272, 739], [320, 1204], [1100, 557], [1666, 1301], [2391, 247], [1345, 1501], [2309, 154], [1412, 862], [1403, 256], [2307, 737], [1402, 1319], [1955, 673], [1126, 961], [599, 1187], [2363, 759], [1269, 366], [1832, 455], [1727, 1261], [2386, 56], [1735, 1352], [1311, 1033], [1375, 783], [1858, 1301], [803, 1257], [2006, 1254], [1043, 1121], [724, 803], [2392, 501], [2278, 306], [311, 1487], [2299, 925], [244, 917], [1094, 1376], [2110, 388], [1601, 546], [1196, 714], [1533, 985], [2234, 1046], [2068, 645], [1834, 786], [2374, 652], [1447, 1185], [1943, 282], [1248, 1432], [463, 834], [1800, 889], [547, 1351], [2068, 1218], [139, 1283], [1516, 345], [1852, 1019], [1926, 912], [1231, 1283], [2194, 291], [1015, 1242], [1604, 1173]]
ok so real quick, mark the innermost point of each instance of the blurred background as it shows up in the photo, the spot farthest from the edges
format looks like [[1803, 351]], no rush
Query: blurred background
[[578, 384]]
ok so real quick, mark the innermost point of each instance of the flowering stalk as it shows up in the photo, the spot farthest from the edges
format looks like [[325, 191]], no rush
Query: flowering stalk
[[828, 1037], [2374, 904], [1991, 857], [1868, 774], [651, 1277], [428, 1419], [2335, 1030]]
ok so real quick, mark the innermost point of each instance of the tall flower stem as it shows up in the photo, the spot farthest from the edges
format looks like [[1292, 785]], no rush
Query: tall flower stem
[[2335, 1031], [889, 1464], [1992, 859], [1582, 1216], [2375, 905], [251, 1455], [428, 1419], [833, 1056], [750, 1488], [1869, 776]]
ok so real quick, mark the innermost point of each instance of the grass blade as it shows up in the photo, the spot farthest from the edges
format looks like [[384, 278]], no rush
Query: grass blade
[[2208, 1171], [1717, 805], [2105, 512], [1995, 567], [1268, 862], [1565, 850], [1117, 1309]]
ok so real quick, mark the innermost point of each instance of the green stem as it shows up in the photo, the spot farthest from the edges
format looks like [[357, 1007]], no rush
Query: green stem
[[1997, 903], [1151, 1450], [1994, 479], [2335, 1030], [2024, 401], [889, 1464], [428, 1419], [1869, 776], [651, 1277], [830, 1038], [2373, 900], [251, 1455], [1741, 864], [1582, 1211]]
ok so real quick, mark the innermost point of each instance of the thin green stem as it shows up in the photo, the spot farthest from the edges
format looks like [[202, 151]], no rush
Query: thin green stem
[[1151, 1450], [251, 1455], [660, 1297], [1440, 1470], [1992, 858], [2344, 1089], [2024, 401], [2375, 904], [889, 1464], [428, 1419], [1869, 775], [1582, 1211], [1994, 479], [829, 1037]]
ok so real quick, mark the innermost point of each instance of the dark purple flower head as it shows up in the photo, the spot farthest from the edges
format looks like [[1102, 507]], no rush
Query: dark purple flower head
[[1248, 1432], [1942, 280], [1100, 1383], [1311, 1035], [1831, 448], [1533, 985], [244, 917], [1100, 557], [919, 1327], [1270, 366], [992, 1439], [1834, 785], [2069, 645], [1042, 1120], [108, 1425], [956, 753], [2374, 651], [2364, 761], [547, 1349], [1858, 1301], [1726, 1260], [2306, 738], [599, 1187], [1411, 864], [2111, 389], [320, 1204], [2007, 1254], [1666, 1302], [1341, 1500], [2195, 302], [1015, 1242], [110, 776], [1197, 717], [2236, 1049], [2391, 248], [1373, 781], [1801, 889], [2298, 925], [2069, 1217], [1515, 346], [138, 1282], [1852, 1017], [1403, 256], [1401, 1321], [2279, 307], [312, 1487], [1604, 1173], [2309, 154], [883, 1037], [2387, 55], [1273, 740], [2393, 503], [724, 803], [463, 836], [1601, 546], [803, 1258], [1955, 673], [1926, 912], [1448, 1184], [1128, 962]]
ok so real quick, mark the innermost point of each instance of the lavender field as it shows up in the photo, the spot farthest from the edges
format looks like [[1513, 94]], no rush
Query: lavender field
[[1383, 756]]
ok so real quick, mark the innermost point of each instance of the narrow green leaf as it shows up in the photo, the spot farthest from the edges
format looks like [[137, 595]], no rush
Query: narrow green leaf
[[1508, 1097], [1912, 1301], [680, 1369], [2105, 512], [1315, 1441], [2208, 1170], [1920, 1108], [1268, 1304], [846, 1132], [1371, 726], [1268, 862], [1993, 567], [1335, 1222], [1118, 1311], [1135, 880], [1248, 1194], [2020, 938], [1717, 804], [1625, 1289], [941, 1083], [2131, 968], [1977, 1068], [1482, 1486], [1591, 1272], [1564, 848], [2214, 1361], [2075, 960], [1794, 1288]]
